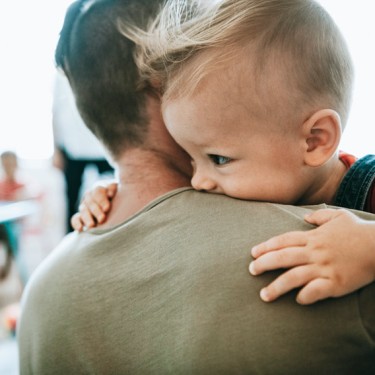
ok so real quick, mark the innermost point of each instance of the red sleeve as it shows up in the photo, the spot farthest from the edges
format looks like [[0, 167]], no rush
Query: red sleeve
[[347, 159]]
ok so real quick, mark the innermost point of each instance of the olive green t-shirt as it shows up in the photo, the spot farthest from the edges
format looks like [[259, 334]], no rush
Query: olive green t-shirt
[[169, 292]]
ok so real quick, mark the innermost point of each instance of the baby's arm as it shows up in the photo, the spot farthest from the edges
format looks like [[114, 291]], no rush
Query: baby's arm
[[96, 203], [332, 260]]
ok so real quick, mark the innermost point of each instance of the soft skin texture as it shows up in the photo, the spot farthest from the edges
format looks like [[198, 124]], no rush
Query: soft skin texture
[[318, 259], [96, 203], [241, 150], [168, 292]]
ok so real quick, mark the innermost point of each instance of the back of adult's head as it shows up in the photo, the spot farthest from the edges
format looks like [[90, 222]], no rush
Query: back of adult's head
[[192, 38], [99, 64]]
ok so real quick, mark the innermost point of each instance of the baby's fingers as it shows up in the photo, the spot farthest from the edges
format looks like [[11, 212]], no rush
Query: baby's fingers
[[86, 217], [100, 197], [294, 278], [76, 222], [112, 189], [286, 258], [91, 208], [279, 242], [314, 291], [323, 215]]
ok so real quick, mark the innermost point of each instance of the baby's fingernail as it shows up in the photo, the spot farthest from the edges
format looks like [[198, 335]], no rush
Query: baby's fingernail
[[251, 268], [264, 295]]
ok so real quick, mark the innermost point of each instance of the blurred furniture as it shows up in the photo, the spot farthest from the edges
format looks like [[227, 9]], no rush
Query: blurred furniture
[[10, 211]]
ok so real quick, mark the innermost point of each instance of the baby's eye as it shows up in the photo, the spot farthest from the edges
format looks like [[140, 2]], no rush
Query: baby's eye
[[219, 159]]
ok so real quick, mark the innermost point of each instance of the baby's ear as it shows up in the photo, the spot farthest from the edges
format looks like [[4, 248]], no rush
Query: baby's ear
[[322, 132]]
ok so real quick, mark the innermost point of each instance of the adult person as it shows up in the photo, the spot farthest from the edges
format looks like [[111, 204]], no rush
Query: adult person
[[163, 286], [75, 148]]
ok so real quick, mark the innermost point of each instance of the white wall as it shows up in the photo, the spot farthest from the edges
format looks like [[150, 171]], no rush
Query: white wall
[[356, 20], [28, 34]]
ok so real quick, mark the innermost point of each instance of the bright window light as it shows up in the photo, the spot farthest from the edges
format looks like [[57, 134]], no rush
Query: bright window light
[[28, 35], [356, 21]]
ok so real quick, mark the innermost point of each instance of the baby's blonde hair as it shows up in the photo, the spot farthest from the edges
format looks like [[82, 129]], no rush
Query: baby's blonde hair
[[299, 34]]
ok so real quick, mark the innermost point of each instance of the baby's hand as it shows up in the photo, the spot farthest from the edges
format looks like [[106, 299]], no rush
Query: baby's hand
[[332, 260], [95, 204]]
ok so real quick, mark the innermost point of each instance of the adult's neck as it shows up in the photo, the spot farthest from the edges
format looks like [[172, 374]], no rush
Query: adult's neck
[[143, 175]]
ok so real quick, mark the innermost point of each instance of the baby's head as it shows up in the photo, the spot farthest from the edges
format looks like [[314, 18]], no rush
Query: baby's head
[[256, 91], [296, 38]]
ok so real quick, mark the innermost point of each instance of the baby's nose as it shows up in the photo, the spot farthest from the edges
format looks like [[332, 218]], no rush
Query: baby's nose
[[202, 182]]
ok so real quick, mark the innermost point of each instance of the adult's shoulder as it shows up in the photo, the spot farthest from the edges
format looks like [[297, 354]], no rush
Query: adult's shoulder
[[54, 262], [192, 198], [215, 217], [207, 204]]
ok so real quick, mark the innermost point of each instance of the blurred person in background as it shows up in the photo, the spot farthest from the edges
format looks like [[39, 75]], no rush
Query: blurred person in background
[[30, 222], [11, 187]]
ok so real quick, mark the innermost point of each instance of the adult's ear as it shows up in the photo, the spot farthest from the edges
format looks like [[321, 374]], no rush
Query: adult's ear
[[322, 132]]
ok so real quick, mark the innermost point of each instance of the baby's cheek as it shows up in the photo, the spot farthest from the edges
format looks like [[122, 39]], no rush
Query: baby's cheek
[[237, 189]]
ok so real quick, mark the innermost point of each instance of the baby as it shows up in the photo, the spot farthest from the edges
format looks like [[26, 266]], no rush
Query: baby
[[259, 100]]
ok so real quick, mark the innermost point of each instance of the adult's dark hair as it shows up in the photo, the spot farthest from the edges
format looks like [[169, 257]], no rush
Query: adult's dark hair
[[98, 61]]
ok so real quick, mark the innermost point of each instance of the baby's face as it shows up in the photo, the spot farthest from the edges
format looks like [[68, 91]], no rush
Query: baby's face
[[234, 149]]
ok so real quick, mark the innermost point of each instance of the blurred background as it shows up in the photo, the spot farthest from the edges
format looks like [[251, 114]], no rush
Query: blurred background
[[48, 158], [28, 36]]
